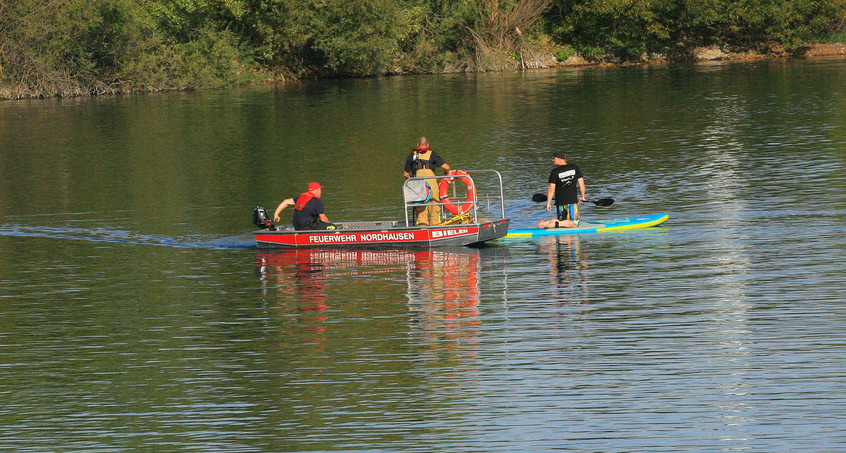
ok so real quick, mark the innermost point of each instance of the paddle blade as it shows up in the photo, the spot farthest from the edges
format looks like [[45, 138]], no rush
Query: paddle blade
[[538, 197], [604, 202]]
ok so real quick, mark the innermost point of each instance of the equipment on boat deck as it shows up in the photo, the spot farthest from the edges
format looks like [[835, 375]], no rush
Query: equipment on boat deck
[[261, 219]]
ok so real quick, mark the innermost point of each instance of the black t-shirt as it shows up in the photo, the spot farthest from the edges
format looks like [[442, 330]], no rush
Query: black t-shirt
[[310, 212], [566, 179], [411, 166]]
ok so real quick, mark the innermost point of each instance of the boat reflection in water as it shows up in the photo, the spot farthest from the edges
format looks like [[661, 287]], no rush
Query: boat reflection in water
[[443, 285], [303, 272], [443, 289], [298, 281]]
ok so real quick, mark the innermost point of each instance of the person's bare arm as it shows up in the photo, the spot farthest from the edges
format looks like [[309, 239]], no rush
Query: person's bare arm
[[285, 203], [582, 188], [549, 194]]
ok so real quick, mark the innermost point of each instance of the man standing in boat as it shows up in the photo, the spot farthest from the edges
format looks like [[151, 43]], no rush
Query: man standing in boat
[[308, 210], [421, 163], [563, 180]]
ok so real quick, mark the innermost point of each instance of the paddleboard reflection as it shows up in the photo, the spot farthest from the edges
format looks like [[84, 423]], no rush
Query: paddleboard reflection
[[568, 264]]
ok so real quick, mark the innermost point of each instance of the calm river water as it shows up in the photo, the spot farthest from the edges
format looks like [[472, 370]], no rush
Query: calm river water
[[137, 314]]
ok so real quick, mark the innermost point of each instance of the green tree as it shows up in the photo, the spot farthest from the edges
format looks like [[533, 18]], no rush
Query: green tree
[[354, 37], [616, 29], [632, 29], [67, 47]]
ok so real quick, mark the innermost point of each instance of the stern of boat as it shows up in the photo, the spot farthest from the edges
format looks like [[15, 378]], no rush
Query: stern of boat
[[493, 229]]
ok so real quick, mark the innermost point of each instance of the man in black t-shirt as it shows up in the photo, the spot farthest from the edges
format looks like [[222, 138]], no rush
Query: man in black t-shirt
[[564, 180], [308, 210], [422, 162]]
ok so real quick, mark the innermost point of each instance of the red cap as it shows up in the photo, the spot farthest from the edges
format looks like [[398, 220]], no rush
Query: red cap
[[314, 186]]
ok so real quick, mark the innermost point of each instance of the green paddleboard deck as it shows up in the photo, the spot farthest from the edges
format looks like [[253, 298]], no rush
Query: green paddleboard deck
[[628, 223]]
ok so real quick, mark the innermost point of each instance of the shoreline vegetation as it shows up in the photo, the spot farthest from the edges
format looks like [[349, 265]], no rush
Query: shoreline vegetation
[[65, 48]]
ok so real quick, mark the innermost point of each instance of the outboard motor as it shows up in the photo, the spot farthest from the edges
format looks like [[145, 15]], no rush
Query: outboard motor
[[261, 220]]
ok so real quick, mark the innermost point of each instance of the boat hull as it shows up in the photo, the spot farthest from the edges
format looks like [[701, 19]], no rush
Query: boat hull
[[629, 223], [384, 234]]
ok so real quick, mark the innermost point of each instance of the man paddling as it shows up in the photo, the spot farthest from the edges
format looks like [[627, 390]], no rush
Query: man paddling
[[563, 180], [308, 210]]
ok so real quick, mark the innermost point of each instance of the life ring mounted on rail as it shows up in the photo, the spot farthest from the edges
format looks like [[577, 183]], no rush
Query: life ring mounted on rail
[[443, 187]]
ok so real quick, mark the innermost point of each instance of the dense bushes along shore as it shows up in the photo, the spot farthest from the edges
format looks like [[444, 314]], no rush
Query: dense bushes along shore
[[79, 47]]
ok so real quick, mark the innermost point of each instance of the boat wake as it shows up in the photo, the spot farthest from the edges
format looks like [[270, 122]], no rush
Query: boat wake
[[126, 237]]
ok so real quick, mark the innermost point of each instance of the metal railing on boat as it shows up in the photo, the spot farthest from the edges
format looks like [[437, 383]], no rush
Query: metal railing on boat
[[412, 186]]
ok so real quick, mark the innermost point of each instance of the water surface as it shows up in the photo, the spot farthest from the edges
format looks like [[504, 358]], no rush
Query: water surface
[[137, 314]]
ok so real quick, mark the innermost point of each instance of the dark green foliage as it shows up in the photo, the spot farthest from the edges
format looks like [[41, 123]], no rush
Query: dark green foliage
[[355, 37], [634, 29], [73, 47], [617, 29]]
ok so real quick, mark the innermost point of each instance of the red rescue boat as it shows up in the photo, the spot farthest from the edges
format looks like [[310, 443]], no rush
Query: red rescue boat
[[482, 219]]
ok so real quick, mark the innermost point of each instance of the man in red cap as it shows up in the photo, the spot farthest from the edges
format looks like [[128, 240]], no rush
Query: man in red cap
[[308, 210]]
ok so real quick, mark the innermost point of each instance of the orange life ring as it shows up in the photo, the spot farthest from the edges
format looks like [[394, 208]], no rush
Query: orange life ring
[[471, 193]]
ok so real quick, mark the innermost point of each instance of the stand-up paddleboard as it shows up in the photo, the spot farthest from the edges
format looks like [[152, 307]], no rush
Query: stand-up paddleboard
[[628, 223]]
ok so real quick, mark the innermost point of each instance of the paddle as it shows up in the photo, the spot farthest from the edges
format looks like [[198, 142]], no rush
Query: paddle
[[539, 197]]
